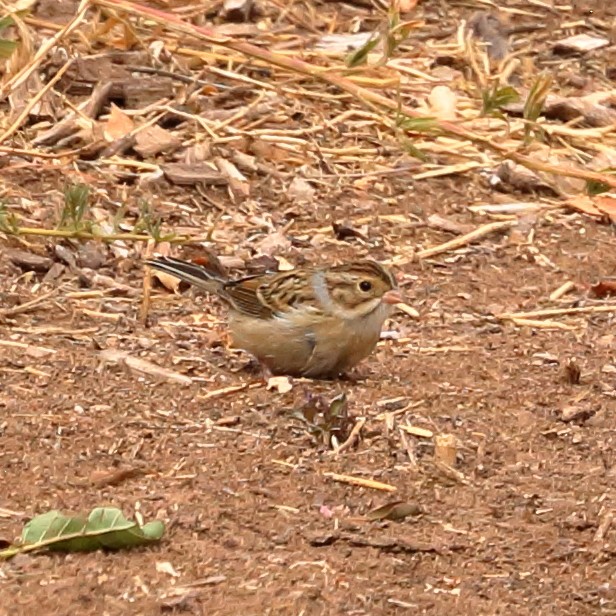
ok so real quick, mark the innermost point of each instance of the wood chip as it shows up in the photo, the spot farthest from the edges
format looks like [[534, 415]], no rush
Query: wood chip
[[28, 261], [580, 43], [155, 140], [416, 431], [446, 449], [185, 174], [144, 366]]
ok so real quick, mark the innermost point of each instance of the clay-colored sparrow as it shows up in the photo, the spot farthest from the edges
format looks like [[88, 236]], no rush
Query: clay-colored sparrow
[[315, 322]]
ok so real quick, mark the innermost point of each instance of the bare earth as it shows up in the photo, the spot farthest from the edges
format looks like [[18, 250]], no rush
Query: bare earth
[[520, 524]]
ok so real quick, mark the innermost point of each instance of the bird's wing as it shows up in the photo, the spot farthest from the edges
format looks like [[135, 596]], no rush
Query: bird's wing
[[188, 272], [244, 296], [273, 295]]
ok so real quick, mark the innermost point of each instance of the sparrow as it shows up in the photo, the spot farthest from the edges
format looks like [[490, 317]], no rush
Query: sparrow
[[313, 322]]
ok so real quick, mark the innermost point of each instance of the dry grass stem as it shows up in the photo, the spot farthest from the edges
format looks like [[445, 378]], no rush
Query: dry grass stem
[[360, 481]]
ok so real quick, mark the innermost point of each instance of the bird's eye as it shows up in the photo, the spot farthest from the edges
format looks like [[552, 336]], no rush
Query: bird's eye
[[365, 285]]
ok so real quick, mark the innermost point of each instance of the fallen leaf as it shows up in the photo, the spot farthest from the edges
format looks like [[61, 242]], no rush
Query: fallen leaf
[[114, 478], [398, 510], [607, 205], [604, 288], [28, 261], [281, 383], [598, 206], [104, 527], [118, 124], [568, 109], [519, 177], [574, 412]]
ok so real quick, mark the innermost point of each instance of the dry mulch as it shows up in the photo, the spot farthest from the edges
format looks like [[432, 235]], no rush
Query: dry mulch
[[489, 417]]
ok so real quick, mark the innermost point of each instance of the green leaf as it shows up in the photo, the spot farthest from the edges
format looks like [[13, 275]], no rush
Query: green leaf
[[534, 104], [339, 407], [418, 125], [536, 97], [596, 188], [412, 149], [360, 56], [76, 198], [150, 223], [6, 21], [105, 527], [494, 99], [396, 32], [6, 48], [9, 222]]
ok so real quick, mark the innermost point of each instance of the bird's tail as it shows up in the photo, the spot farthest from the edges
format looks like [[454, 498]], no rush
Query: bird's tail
[[198, 275]]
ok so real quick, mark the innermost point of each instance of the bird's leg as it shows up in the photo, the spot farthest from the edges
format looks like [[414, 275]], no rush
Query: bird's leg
[[259, 368], [354, 376], [266, 373]]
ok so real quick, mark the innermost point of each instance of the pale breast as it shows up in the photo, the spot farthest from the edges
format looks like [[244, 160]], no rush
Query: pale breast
[[304, 344], [341, 344], [282, 345]]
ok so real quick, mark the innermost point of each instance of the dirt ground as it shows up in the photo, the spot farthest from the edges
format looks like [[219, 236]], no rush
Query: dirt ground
[[520, 523]]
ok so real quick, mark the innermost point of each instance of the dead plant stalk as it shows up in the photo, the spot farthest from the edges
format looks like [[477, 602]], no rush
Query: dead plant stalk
[[367, 97]]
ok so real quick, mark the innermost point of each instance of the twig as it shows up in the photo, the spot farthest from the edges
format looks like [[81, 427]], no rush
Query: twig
[[36, 154], [604, 526], [465, 239], [147, 286], [368, 97], [109, 237], [33, 101], [22, 75], [38, 350], [143, 366], [543, 324], [359, 481], [9, 312], [562, 290], [553, 312], [225, 391], [353, 437]]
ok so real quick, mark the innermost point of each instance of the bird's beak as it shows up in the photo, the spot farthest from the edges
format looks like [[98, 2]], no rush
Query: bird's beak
[[392, 297]]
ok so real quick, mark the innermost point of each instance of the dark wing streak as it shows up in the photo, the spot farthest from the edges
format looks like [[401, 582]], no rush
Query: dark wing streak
[[244, 295], [189, 272]]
